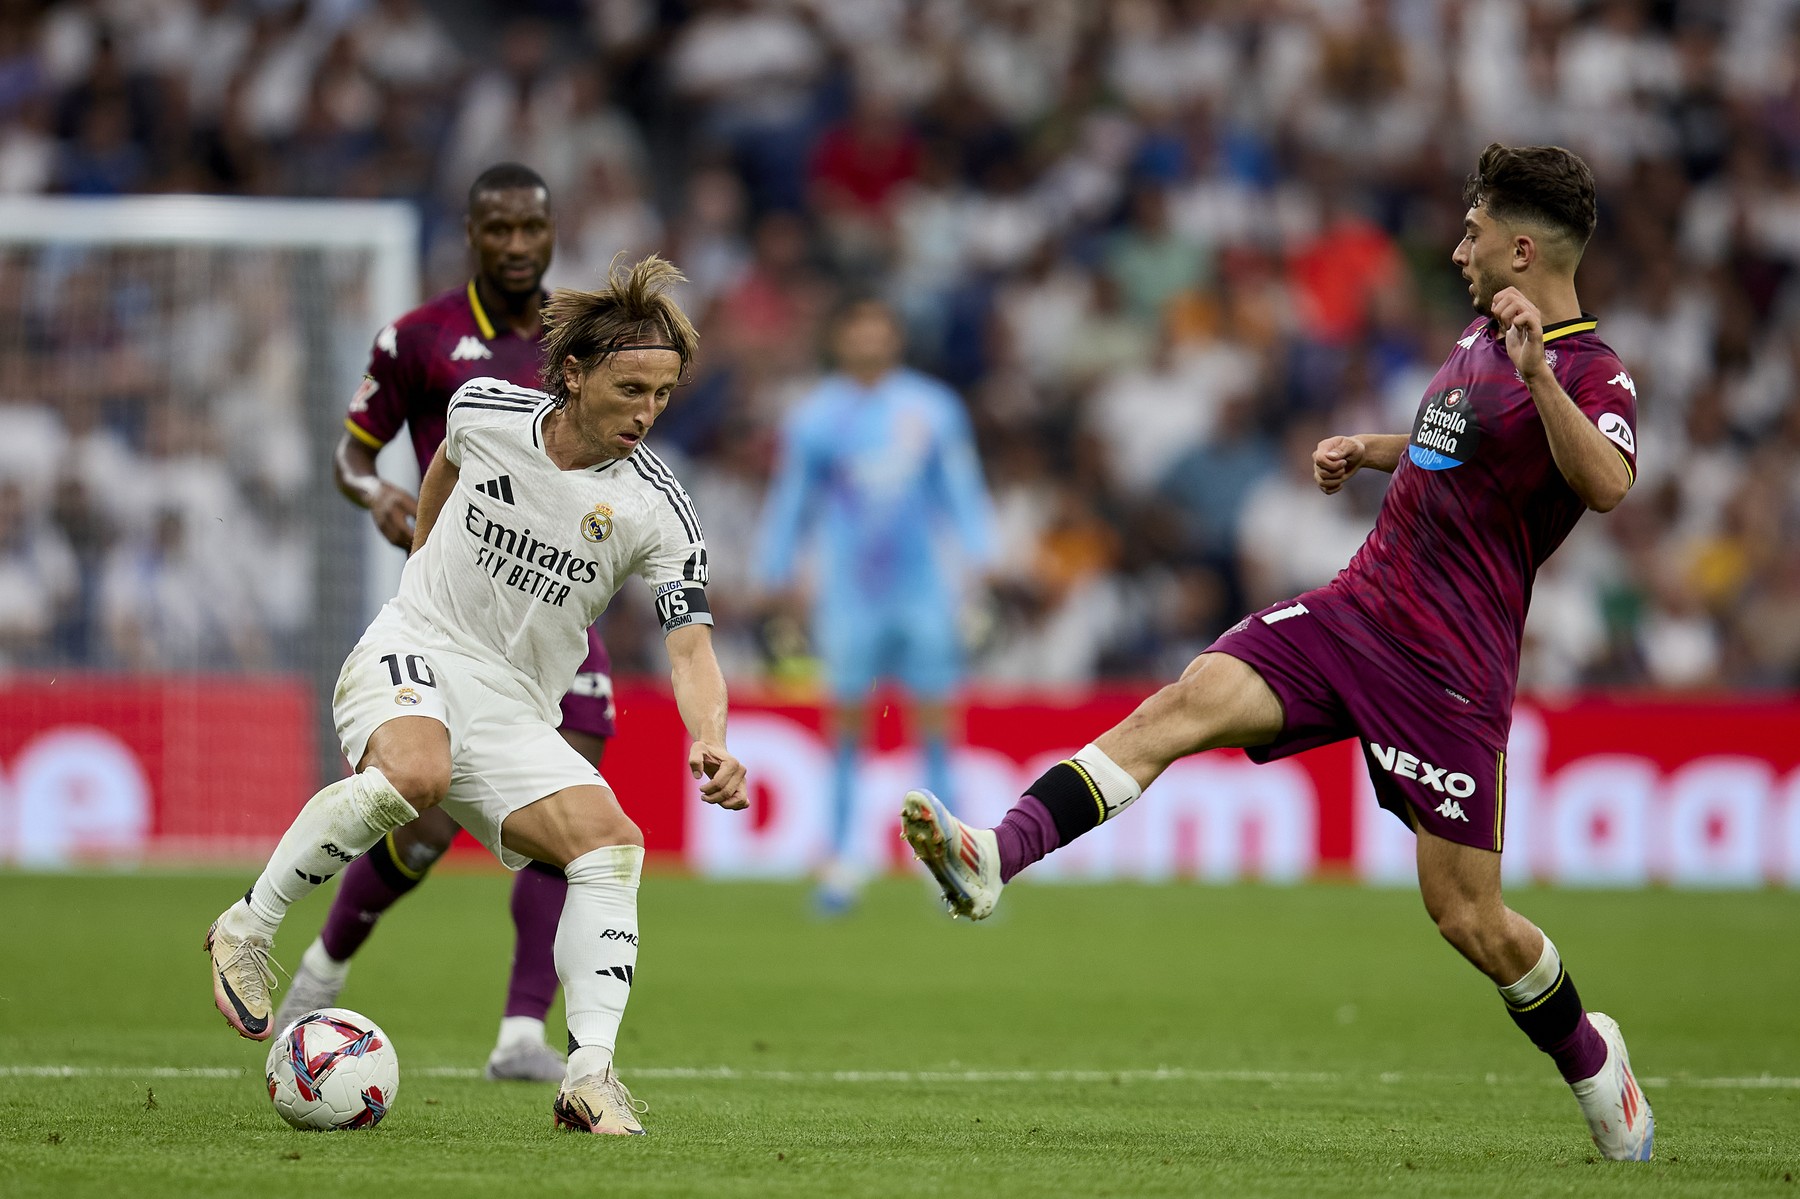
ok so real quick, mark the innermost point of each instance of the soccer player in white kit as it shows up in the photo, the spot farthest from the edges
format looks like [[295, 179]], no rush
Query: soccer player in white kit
[[533, 512]]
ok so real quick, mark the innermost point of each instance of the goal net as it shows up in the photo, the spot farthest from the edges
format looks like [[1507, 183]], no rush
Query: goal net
[[179, 579]]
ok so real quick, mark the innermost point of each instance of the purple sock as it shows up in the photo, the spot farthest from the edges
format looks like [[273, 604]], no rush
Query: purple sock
[[1580, 1054], [1027, 834], [537, 903], [364, 893]]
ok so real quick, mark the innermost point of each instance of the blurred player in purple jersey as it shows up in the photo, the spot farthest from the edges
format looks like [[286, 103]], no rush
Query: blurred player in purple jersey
[[1414, 647], [490, 326]]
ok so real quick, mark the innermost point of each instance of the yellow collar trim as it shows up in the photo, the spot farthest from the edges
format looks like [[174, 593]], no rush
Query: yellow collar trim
[[481, 317], [1587, 325]]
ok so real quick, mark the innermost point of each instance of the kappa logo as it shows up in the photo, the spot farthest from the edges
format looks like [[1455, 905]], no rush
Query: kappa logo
[[388, 341], [1439, 778], [1451, 810], [500, 489], [1616, 430], [1624, 380], [470, 349], [1469, 341]]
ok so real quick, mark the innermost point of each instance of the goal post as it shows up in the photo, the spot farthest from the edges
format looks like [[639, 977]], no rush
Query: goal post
[[174, 372]]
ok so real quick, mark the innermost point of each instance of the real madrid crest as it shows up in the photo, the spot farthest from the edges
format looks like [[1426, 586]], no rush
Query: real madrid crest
[[597, 525]]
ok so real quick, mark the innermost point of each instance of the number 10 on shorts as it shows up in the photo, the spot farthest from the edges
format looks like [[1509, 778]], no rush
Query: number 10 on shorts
[[1281, 614]]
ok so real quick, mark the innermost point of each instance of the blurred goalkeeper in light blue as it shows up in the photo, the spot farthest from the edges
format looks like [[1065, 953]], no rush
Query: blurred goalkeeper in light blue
[[879, 460]]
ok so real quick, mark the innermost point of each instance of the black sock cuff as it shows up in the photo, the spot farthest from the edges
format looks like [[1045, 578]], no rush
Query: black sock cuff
[[545, 868], [395, 874], [1551, 1017], [1072, 797]]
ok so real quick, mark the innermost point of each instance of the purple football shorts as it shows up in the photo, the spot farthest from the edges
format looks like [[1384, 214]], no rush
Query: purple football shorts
[[588, 707], [1431, 766]]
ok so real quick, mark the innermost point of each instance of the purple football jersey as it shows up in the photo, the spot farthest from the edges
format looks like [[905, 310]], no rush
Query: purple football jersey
[[421, 359], [1475, 506]]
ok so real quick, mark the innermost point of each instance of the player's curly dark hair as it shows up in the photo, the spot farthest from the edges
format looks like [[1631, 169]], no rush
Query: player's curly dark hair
[[1544, 185], [634, 311]]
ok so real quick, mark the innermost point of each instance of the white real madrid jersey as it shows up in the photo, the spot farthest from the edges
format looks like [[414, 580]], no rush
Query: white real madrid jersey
[[525, 556]]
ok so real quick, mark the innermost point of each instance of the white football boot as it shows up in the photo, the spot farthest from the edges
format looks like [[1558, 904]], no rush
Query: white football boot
[[525, 1061], [600, 1104], [309, 991], [965, 861], [1617, 1113], [243, 978]]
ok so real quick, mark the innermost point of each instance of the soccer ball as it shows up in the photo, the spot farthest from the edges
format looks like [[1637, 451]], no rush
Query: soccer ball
[[333, 1068]]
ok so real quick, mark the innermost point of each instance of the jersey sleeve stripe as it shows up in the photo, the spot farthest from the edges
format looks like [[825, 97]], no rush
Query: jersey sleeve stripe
[[688, 523], [1630, 475], [494, 396], [363, 435], [513, 408], [501, 389], [661, 468]]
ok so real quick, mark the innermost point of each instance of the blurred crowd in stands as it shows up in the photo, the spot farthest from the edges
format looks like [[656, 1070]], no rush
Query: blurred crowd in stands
[[1160, 246]]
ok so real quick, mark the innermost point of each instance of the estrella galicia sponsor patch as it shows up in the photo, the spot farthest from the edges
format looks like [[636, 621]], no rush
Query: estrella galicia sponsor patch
[[1446, 433], [1617, 430]]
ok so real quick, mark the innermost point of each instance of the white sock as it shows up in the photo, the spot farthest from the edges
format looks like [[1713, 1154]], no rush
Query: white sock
[[336, 826], [1537, 980], [1118, 790], [596, 951], [519, 1030], [321, 964]]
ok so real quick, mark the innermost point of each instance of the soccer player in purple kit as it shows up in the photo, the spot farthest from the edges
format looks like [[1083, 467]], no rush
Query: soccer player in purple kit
[[1414, 646], [491, 326]]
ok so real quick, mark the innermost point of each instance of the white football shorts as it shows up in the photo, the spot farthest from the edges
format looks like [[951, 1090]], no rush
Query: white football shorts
[[503, 754]]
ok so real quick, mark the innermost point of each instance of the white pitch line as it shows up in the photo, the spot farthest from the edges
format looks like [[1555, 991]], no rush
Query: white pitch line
[[1762, 1082]]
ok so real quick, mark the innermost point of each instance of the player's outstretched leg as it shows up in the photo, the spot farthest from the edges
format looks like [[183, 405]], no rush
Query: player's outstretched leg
[[539, 895], [334, 828], [370, 886], [1218, 701], [1461, 889], [602, 856]]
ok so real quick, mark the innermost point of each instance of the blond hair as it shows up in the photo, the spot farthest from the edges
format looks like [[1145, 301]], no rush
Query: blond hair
[[634, 311]]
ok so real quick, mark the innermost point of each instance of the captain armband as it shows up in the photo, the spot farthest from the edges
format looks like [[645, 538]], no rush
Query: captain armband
[[681, 603]]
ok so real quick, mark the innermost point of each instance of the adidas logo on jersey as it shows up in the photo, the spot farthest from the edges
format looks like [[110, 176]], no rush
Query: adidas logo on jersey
[[470, 349], [500, 489]]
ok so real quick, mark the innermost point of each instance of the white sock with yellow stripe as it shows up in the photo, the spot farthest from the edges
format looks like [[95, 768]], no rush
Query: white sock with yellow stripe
[[1115, 789]]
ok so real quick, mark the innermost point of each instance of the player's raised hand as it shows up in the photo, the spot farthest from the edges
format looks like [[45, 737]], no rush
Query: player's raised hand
[[723, 779], [1335, 460], [393, 509], [1524, 326]]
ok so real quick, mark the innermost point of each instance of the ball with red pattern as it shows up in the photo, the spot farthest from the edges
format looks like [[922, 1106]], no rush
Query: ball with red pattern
[[333, 1069]]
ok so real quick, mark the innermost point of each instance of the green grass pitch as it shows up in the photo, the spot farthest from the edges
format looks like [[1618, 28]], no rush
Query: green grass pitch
[[1120, 1040]]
